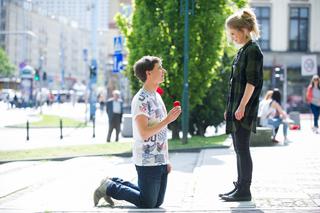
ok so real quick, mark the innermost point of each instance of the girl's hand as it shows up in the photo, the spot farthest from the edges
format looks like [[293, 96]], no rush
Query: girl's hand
[[239, 113]]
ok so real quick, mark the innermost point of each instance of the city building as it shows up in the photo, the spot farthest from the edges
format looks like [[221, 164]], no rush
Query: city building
[[290, 32], [53, 44], [57, 45], [75, 10]]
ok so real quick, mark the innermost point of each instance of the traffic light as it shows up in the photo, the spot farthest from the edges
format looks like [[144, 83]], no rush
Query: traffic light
[[44, 76], [278, 73], [37, 75]]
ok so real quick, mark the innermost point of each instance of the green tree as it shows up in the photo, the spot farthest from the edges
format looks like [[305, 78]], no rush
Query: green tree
[[210, 111], [156, 28], [6, 68]]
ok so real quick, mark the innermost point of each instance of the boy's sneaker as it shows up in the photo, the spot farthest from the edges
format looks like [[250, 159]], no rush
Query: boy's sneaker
[[101, 191]]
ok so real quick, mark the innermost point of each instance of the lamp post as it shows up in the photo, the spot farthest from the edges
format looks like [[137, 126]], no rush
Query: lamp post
[[185, 94], [279, 79], [94, 62], [61, 54]]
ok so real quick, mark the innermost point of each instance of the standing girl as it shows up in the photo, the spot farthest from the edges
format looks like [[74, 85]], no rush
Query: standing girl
[[245, 86], [313, 98]]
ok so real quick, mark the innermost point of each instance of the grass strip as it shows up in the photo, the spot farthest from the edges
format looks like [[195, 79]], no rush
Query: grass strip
[[52, 121], [196, 142]]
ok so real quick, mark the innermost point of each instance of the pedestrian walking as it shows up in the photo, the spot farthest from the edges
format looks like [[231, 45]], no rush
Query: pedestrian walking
[[114, 111], [313, 99], [150, 148], [245, 86]]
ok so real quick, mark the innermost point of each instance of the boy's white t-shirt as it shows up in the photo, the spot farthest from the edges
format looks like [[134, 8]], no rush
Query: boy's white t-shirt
[[154, 150]]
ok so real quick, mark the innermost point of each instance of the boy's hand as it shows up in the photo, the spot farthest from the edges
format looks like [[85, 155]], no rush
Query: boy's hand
[[174, 114], [169, 168]]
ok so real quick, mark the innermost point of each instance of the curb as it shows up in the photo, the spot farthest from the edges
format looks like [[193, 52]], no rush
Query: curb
[[124, 154]]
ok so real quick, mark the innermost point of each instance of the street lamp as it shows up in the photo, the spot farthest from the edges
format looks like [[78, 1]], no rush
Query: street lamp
[[185, 94], [94, 60]]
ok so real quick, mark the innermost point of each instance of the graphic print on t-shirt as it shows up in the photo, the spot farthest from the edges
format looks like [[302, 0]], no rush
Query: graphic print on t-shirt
[[154, 148]]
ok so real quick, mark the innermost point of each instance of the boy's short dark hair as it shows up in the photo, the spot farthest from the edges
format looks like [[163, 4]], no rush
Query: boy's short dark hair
[[144, 64]]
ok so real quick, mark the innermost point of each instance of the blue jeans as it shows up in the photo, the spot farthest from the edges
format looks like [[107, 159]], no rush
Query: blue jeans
[[315, 111], [150, 191], [275, 123]]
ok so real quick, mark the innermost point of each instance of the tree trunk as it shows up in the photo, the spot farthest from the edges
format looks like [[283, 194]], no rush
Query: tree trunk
[[175, 130], [201, 130]]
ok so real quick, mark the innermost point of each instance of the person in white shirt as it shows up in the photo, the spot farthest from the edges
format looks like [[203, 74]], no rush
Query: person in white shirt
[[150, 148], [114, 111], [264, 110], [272, 115]]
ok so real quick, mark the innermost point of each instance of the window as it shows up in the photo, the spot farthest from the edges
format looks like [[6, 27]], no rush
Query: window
[[263, 17], [299, 27]]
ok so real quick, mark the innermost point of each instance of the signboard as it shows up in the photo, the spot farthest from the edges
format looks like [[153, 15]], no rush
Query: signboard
[[26, 88], [22, 65], [117, 44], [309, 65], [117, 56], [117, 62], [27, 72]]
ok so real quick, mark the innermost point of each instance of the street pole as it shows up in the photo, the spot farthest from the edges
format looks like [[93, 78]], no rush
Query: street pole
[[62, 60], [285, 87], [85, 59], [94, 63], [40, 81], [185, 96]]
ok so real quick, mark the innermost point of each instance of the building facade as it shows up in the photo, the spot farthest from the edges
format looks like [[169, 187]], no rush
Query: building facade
[[75, 10], [54, 44], [290, 30]]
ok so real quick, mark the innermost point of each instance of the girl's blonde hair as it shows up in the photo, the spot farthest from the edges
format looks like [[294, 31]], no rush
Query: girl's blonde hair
[[244, 18]]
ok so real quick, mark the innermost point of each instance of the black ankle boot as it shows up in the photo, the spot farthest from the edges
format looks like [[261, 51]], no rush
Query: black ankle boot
[[241, 194], [233, 190]]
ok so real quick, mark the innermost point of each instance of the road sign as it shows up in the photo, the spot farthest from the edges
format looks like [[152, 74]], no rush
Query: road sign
[[309, 65], [117, 62], [22, 65], [117, 43]]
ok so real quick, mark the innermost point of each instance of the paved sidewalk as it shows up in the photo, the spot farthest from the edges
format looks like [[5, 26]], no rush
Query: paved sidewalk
[[286, 178], [16, 138]]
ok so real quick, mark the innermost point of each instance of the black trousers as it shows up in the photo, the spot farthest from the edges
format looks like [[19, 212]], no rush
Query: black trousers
[[241, 143], [114, 124]]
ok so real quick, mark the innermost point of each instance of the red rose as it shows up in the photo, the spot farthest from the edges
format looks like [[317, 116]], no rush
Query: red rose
[[176, 103], [160, 90]]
